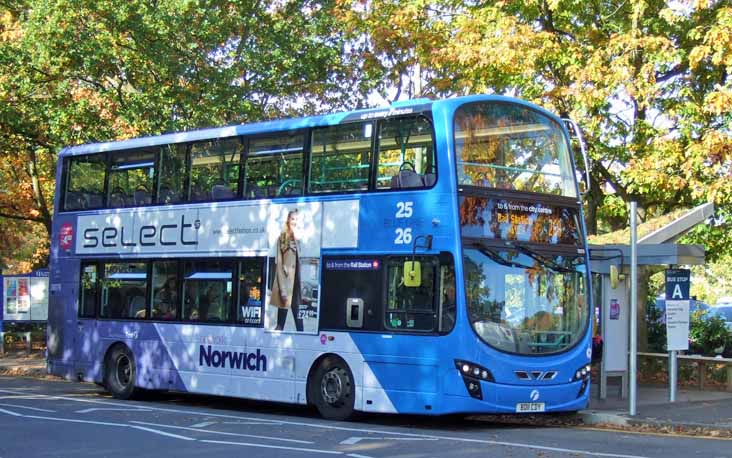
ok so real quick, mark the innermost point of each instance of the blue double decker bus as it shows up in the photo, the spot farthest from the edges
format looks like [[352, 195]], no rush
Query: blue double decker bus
[[428, 258]]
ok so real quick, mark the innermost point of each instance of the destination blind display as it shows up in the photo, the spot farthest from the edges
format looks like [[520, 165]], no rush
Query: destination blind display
[[518, 220]]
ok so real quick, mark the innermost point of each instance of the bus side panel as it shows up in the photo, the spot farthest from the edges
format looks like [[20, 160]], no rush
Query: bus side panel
[[62, 303], [247, 362]]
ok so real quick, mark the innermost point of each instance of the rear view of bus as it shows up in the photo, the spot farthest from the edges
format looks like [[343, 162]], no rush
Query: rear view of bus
[[524, 260]]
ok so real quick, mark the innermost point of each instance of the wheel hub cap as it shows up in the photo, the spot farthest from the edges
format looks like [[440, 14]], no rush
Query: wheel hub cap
[[332, 388]]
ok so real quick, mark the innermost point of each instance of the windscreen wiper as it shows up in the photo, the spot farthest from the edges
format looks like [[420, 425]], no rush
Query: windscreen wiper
[[544, 260], [491, 252]]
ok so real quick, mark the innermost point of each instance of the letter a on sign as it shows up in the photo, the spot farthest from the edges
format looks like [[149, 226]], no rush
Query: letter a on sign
[[677, 293]]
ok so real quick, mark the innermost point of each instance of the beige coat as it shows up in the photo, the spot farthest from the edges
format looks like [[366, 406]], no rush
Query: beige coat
[[287, 266]]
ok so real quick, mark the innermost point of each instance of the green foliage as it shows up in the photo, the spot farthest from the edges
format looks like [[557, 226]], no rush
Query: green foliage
[[656, 327], [79, 71], [708, 335]]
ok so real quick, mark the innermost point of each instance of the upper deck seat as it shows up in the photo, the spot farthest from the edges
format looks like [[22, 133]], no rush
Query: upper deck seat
[[142, 197], [221, 191], [407, 179]]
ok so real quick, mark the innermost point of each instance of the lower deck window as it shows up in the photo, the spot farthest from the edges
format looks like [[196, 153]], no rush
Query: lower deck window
[[124, 288], [410, 308], [207, 290]]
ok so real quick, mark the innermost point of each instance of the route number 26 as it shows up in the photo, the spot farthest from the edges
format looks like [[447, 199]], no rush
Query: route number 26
[[403, 236]]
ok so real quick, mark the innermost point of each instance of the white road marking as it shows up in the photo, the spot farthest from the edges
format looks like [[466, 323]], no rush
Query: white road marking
[[162, 433], [29, 408], [357, 430], [269, 423], [222, 432], [280, 447], [133, 409], [356, 455], [356, 440], [101, 423], [204, 424]]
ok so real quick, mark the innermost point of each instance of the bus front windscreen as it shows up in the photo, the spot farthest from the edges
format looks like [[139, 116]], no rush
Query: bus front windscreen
[[525, 302], [510, 146]]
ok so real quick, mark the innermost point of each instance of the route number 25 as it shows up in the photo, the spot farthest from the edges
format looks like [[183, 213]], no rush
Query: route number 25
[[404, 209]]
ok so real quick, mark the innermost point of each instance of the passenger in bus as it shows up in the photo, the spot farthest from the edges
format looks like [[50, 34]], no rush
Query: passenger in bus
[[165, 300], [286, 289]]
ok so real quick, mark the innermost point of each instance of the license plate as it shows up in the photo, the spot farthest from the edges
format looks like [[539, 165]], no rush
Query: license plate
[[523, 407]]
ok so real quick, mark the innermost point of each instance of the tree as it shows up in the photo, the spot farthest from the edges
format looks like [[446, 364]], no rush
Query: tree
[[647, 80], [80, 71]]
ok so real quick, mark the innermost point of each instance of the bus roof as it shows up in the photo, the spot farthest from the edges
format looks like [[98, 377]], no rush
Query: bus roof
[[397, 108]]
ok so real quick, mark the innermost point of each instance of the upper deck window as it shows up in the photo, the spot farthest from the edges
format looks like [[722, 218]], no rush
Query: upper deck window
[[85, 182], [215, 170], [406, 154], [340, 158], [504, 146], [131, 177], [274, 166], [172, 174]]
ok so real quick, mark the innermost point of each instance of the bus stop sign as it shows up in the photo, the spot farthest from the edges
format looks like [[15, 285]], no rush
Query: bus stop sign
[[677, 284], [677, 309]]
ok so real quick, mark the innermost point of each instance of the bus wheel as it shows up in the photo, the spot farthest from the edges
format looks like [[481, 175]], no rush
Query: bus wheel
[[120, 373], [333, 390]]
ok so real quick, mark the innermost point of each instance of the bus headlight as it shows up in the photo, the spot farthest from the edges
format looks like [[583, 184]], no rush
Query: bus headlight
[[582, 373], [472, 374]]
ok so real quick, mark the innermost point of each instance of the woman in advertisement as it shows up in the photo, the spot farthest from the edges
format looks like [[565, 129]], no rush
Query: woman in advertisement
[[286, 286]]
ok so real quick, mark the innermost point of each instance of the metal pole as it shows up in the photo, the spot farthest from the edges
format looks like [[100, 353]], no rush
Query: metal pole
[[633, 307], [672, 369]]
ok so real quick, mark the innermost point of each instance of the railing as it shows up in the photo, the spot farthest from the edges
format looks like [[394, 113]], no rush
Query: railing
[[702, 362]]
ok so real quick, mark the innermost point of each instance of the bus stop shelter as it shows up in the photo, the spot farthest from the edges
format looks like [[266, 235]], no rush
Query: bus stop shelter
[[655, 250]]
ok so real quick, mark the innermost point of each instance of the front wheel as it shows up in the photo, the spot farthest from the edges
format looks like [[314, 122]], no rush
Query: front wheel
[[120, 373], [333, 390]]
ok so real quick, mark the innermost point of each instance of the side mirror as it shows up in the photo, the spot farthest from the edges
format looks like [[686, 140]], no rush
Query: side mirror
[[615, 277], [412, 274]]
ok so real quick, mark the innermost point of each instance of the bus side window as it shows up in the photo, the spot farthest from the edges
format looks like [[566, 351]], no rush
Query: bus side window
[[215, 170], [85, 182], [249, 307], [274, 166], [411, 308], [131, 178], [88, 302], [448, 298], [172, 172], [406, 155], [340, 158], [124, 290]]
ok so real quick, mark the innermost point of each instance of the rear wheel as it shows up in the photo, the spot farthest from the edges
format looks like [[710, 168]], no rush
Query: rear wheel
[[333, 389], [120, 373]]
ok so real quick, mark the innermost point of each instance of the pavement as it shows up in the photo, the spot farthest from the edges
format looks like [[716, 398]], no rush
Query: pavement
[[696, 412]]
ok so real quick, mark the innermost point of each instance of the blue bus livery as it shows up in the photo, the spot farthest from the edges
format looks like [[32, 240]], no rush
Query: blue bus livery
[[427, 258]]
